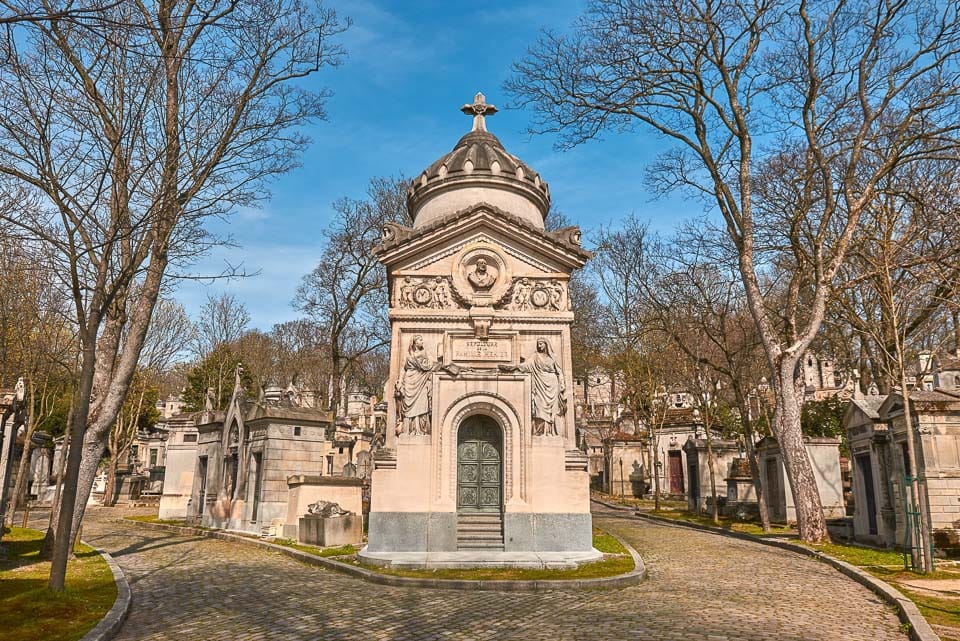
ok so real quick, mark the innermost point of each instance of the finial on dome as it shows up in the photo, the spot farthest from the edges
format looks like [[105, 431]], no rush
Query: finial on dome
[[479, 110]]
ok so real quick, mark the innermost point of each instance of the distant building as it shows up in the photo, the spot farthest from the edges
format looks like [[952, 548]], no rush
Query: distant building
[[877, 434], [256, 466], [824, 455], [822, 381]]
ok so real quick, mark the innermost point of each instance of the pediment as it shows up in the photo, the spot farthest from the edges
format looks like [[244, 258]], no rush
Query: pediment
[[437, 255], [418, 248]]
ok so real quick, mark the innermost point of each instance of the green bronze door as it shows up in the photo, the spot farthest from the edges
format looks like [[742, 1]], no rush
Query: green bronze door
[[479, 470]]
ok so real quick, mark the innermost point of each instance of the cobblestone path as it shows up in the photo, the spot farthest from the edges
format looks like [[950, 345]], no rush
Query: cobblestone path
[[700, 586]]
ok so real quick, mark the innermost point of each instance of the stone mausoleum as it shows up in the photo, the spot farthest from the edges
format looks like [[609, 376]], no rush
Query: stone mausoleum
[[480, 463]]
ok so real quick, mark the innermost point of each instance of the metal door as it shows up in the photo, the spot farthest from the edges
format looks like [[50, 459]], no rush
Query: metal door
[[866, 471], [676, 472], [203, 484], [479, 466]]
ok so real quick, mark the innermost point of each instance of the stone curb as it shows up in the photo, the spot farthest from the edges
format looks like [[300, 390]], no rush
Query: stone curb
[[606, 583], [110, 624], [907, 610]]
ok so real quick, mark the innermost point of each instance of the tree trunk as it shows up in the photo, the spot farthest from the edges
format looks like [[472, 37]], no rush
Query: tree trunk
[[749, 442], [655, 472], [920, 552], [62, 538], [336, 383], [811, 523], [109, 489], [46, 549], [713, 476], [23, 469], [19, 486], [93, 450], [757, 482]]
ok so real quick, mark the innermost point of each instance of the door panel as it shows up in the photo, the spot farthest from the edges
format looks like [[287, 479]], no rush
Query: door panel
[[479, 466], [676, 472]]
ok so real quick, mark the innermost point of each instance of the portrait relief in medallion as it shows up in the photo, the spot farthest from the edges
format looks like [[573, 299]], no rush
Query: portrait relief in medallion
[[481, 274]]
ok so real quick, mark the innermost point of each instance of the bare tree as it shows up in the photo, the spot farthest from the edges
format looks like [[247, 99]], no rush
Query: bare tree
[[168, 336], [301, 354], [136, 410], [17, 11], [37, 343], [900, 283], [346, 294], [135, 132], [695, 297], [841, 95], [223, 321]]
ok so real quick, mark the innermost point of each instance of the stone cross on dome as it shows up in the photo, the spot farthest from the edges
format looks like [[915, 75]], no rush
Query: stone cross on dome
[[479, 110]]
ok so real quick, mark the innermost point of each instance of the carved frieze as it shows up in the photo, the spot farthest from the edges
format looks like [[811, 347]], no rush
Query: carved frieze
[[532, 294], [430, 292]]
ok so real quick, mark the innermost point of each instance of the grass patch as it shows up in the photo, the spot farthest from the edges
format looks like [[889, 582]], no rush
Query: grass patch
[[616, 560], [153, 518], [30, 612], [342, 550], [937, 611], [726, 523], [861, 556], [645, 504]]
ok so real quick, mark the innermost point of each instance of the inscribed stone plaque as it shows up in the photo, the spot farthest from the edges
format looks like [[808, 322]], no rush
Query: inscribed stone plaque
[[478, 349]]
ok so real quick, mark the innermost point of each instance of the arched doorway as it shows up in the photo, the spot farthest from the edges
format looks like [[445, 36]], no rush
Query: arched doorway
[[479, 465]]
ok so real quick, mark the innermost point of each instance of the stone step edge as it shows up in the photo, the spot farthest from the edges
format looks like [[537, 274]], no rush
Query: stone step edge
[[110, 624], [605, 583], [479, 534], [907, 610]]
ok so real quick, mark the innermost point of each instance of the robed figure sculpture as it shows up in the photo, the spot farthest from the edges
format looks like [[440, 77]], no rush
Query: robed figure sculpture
[[413, 389], [548, 397]]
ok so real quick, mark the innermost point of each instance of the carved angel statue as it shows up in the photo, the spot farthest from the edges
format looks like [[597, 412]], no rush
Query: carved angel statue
[[548, 398]]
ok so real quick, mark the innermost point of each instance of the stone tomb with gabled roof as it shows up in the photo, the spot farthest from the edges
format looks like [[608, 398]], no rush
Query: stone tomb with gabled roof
[[480, 463]]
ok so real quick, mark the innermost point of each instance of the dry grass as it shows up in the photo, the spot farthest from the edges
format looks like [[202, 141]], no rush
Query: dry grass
[[342, 550], [30, 612], [152, 518]]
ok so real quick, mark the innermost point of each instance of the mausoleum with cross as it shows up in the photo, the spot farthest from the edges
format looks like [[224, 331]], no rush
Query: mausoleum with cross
[[480, 463]]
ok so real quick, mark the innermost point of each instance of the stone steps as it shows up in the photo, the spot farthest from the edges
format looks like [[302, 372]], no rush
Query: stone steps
[[480, 531]]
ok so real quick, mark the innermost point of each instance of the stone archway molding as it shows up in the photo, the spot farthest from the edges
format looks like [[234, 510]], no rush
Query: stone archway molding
[[505, 414]]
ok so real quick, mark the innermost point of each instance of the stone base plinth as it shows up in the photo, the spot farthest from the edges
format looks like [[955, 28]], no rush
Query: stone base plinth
[[412, 531], [547, 532], [326, 531], [479, 559], [523, 532]]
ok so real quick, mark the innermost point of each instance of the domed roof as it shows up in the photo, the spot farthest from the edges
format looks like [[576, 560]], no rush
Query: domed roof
[[479, 160]]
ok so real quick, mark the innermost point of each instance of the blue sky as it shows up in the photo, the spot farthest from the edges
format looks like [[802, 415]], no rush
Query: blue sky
[[395, 108]]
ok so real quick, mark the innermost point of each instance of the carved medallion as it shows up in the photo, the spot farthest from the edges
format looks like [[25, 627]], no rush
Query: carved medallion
[[430, 292], [541, 295], [422, 295], [481, 275]]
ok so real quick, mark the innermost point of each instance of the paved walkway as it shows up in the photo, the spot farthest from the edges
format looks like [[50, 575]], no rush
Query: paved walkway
[[700, 586]]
